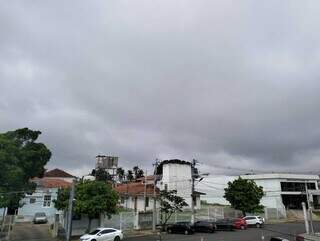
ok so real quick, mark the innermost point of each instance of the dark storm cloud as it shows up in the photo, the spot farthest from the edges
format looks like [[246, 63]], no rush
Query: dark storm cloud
[[232, 82]]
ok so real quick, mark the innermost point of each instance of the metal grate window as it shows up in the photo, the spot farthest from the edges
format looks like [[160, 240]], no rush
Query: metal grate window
[[47, 200]]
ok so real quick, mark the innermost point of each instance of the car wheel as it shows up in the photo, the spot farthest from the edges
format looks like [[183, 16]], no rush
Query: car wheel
[[258, 225], [169, 231], [117, 238], [186, 232], [242, 227], [93, 240]]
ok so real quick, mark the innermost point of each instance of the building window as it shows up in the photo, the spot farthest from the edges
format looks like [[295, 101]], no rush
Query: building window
[[147, 201], [166, 187], [296, 186], [122, 200], [47, 200], [32, 200]]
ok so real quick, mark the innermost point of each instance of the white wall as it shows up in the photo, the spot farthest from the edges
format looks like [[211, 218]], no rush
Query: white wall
[[177, 177]]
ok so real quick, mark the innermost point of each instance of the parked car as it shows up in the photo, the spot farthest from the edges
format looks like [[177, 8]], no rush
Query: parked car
[[181, 227], [103, 234], [205, 226], [40, 218], [278, 239], [308, 237], [256, 221], [239, 223], [225, 224]]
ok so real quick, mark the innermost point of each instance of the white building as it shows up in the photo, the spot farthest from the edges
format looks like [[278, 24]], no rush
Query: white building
[[281, 190], [171, 175], [177, 175]]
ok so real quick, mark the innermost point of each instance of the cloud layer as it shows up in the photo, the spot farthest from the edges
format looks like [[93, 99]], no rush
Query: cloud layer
[[226, 82]]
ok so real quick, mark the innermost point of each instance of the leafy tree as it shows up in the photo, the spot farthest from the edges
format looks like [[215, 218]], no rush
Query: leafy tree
[[21, 158], [244, 195], [101, 175], [130, 176], [120, 174], [170, 203], [92, 198], [137, 172]]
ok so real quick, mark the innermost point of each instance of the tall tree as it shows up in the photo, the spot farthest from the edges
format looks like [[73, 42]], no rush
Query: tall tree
[[130, 176], [137, 172], [92, 198], [170, 203], [21, 158], [244, 195], [120, 174], [101, 175]]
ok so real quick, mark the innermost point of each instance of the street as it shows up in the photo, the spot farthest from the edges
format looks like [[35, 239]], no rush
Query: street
[[251, 234], [29, 232]]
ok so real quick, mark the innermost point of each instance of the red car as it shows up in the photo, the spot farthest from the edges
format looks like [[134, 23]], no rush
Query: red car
[[239, 223]]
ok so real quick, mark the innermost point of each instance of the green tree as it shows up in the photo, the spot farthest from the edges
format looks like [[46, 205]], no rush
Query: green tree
[[21, 158], [130, 176], [120, 174], [92, 198], [137, 172], [244, 195], [101, 175], [170, 203]]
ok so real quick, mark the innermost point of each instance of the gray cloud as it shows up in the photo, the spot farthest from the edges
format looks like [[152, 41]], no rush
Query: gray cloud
[[223, 81]]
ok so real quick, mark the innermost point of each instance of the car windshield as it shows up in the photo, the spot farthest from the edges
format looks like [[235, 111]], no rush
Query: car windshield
[[40, 214], [94, 232]]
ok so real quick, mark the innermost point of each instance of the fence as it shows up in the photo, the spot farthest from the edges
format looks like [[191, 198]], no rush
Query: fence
[[6, 226]]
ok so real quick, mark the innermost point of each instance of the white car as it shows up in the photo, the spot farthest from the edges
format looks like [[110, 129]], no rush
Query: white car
[[254, 221], [103, 234]]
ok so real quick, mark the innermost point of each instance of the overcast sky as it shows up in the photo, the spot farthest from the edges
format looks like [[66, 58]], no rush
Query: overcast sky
[[232, 83]]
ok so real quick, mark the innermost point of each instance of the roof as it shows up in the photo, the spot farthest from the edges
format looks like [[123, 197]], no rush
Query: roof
[[135, 189], [159, 168], [51, 183], [199, 193], [280, 176], [57, 173]]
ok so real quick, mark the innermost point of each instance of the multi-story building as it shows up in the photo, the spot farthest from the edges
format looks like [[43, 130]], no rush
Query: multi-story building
[[281, 190]]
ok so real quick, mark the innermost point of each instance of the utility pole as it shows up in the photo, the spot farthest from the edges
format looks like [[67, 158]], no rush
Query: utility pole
[[305, 216], [70, 206], [309, 208], [194, 162], [154, 211], [145, 191]]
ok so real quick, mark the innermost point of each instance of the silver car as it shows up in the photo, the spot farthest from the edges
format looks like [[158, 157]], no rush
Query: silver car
[[40, 218]]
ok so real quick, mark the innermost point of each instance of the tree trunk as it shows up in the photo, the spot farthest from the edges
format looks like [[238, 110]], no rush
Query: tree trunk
[[89, 224], [243, 213]]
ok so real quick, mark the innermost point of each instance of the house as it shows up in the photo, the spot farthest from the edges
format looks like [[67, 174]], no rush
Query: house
[[281, 190], [41, 200], [177, 175], [59, 174], [138, 195]]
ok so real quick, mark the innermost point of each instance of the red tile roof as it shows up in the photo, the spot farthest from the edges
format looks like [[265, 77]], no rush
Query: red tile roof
[[135, 189], [57, 173], [51, 183]]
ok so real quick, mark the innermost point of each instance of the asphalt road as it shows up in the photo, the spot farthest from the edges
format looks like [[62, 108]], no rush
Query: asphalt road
[[251, 234], [31, 232]]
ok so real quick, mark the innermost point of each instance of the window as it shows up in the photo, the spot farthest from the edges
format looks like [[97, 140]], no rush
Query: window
[[166, 187], [107, 231], [297, 186], [122, 200], [32, 200], [47, 200], [147, 201]]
